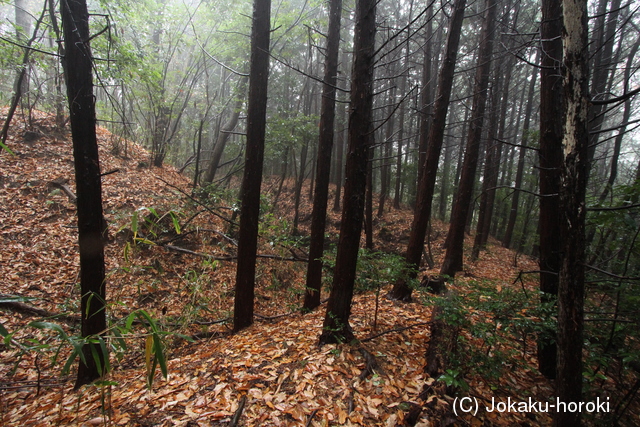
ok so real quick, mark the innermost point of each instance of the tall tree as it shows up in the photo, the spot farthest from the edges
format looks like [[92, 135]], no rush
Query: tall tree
[[336, 322], [342, 128], [82, 117], [252, 178], [497, 126], [550, 157], [626, 115], [435, 137], [573, 209], [490, 177], [21, 82], [323, 168], [602, 46], [453, 257], [225, 132], [515, 201], [385, 149]]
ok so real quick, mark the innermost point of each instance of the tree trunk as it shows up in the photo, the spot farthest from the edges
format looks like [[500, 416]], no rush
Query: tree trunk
[[20, 85], [453, 257], [224, 133], [603, 45], [413, 255], [426, 97], [340, 145], [79, 63], [325, 145], [298, 188], [444, 184], [368, 206], [490, 179], [252, 178], [336, 323], [515, 201], [573, 207], [385, 168], [613, 174], [550, 157], [397, 197]]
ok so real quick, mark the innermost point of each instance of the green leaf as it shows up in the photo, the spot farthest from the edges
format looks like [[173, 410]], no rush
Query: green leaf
[[52, 326], [176, 223], [3, 330], [134, 223], [145, 241], [4, 147], [159, 354], [126, 252]]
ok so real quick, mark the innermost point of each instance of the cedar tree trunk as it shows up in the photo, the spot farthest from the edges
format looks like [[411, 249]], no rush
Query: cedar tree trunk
[[453, 257], [252, 178], [75, 22], [336, 323], [325, 145], [413, 255], [550, 156]]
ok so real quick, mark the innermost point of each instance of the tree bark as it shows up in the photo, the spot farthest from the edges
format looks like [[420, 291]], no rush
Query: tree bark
[[368, 202], [413, 254], [573, 207], [325, 145], [79, 63], [336, 323], [252, 178], [453, 257], [340, 146], [550, 157]]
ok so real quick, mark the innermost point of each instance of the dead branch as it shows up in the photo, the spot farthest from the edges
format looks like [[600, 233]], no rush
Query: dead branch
[[61, 184], [230, 257], [209, 334], [404, 328], [29, 310], [371, 366], [238, 414]]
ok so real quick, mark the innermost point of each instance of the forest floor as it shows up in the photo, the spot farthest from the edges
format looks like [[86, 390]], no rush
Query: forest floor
[[272, 373]]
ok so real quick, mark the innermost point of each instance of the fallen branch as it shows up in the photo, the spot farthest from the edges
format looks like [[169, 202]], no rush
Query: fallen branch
[[61, 184], [371, 365], [404, 328], [238, 414], [198, 202], [311, 415], [230, 257], [29, 310], [210, 334]]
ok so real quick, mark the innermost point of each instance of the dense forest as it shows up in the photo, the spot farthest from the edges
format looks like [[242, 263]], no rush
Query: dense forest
[[320, 213]]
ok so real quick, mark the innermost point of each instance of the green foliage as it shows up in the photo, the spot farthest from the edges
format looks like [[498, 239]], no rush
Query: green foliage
[[612, 288], [113, 341], [496, 321], [374, 269], [454, 379], [152, 225], [285, 133]]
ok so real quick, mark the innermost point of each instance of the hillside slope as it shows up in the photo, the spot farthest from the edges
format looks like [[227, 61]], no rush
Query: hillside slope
[[274, 371]]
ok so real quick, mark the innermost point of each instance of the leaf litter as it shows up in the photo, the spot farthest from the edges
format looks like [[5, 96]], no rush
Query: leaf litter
[[274, 369]]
